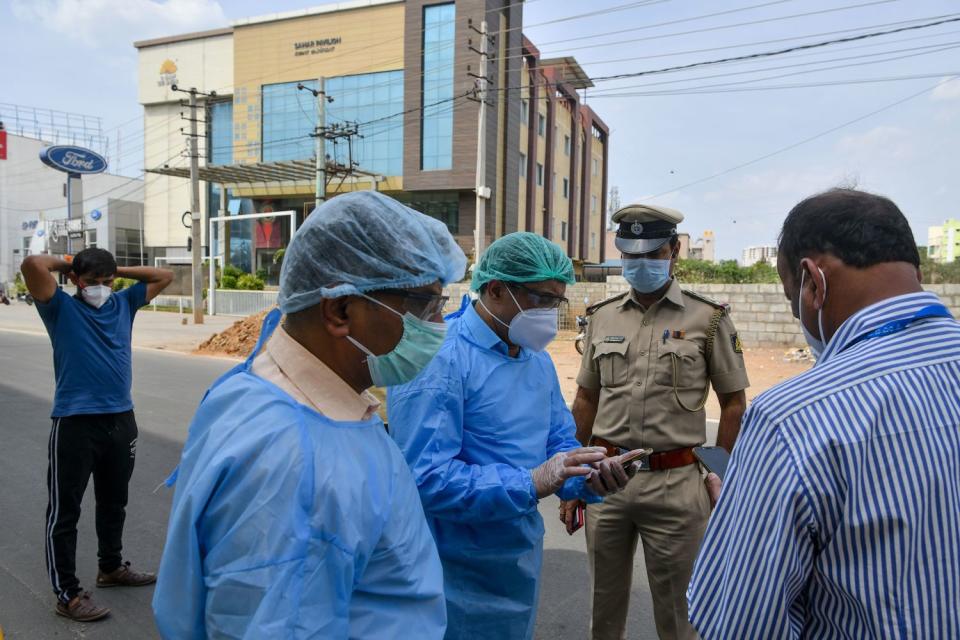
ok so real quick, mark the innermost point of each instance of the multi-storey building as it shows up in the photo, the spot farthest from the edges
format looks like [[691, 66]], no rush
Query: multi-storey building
[[402, 74]]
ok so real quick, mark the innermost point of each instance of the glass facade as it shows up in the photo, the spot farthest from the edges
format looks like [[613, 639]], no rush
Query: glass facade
[[289, 117], [436, 131], [376, 99], [371, 100], [221, 133]]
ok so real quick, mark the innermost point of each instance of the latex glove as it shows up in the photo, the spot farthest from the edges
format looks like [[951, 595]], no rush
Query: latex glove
[[714, 484], [550, 476], [610, 476]]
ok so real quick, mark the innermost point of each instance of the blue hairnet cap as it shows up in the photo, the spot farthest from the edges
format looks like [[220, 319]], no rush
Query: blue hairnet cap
[[522, 257], [365, 241]]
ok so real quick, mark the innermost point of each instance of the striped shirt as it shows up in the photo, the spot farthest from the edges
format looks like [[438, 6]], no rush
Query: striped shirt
[[840, 511]]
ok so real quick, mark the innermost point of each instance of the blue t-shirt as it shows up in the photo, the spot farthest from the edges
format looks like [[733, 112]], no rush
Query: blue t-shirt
[[91, 351]]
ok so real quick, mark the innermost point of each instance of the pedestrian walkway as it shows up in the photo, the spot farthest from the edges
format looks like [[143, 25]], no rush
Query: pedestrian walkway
[[151, 329]]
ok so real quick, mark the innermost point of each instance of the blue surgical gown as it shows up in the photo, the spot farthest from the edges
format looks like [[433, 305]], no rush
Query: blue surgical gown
[[286, 524], [472, 425]]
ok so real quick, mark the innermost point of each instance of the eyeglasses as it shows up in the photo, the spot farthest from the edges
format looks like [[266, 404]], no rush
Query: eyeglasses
[[422, 305], [540, 299]]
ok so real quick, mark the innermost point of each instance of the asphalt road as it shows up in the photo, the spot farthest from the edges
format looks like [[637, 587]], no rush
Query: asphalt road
[[167, 388]]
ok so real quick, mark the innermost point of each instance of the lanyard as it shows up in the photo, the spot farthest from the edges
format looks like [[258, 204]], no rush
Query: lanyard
[[895, 326]]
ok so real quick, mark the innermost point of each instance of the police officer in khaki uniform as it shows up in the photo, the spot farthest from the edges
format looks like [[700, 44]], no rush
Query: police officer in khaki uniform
[[651, 356]]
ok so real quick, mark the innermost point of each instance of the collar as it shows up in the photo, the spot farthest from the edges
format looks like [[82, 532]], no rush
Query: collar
[[479, 333], [325, 390], [873, 317], [674, 295]]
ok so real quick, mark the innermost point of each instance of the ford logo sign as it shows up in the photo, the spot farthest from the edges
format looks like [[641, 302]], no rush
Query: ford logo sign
[[73, 159]]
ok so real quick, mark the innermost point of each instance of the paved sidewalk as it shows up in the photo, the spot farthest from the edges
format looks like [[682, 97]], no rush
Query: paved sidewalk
[[151, 329]]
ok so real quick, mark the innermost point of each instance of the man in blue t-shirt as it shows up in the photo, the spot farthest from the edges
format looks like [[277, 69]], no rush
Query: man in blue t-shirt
[[94, 430]]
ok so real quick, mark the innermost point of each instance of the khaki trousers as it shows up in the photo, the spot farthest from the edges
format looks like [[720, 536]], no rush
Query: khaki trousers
[[668, 511]]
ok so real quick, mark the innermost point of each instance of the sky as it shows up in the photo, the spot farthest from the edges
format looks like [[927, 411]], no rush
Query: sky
[[733, 146]]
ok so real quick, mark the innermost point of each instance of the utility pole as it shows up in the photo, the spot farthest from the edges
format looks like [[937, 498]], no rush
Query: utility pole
[[482, 190], [320, 191], [196, 259], [196, 220]]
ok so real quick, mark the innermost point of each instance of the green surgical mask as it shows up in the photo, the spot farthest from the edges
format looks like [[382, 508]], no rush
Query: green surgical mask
[[421, 341]]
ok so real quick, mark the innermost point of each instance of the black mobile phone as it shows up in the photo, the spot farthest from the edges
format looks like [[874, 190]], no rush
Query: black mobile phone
[[715, 459]]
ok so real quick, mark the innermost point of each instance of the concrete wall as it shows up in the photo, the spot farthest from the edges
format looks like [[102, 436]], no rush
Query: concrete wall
[[760, 312]]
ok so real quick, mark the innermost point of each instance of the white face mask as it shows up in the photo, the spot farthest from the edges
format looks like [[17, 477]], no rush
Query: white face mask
[[96, 295], [817, 345], [531, 329]]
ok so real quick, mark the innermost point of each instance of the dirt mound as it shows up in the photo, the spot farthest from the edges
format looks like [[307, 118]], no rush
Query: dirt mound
[[238, 340]]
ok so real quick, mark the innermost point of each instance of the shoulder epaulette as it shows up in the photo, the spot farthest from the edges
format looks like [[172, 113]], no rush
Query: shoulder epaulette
[[593, 308], [710, 301]]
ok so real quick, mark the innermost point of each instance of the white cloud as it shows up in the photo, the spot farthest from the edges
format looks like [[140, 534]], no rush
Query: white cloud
[[880, 143], [108, 23], [947, 89]]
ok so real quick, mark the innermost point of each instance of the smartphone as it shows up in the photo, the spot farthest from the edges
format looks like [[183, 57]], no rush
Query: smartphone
[[627, 461], [714, 459]]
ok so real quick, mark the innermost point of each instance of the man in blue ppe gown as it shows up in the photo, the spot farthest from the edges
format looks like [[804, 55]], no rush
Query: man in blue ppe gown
[[295, 515], [488, 434]]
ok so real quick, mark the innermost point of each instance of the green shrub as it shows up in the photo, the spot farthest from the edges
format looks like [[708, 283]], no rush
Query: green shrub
[[228, 282], [278, 256], [20, 285], [248, 282], [233, 271], [262, 274], [119, 284]]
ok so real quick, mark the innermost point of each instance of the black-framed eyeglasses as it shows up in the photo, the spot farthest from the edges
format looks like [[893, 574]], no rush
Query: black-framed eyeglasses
[[422, 305], [540, 299]]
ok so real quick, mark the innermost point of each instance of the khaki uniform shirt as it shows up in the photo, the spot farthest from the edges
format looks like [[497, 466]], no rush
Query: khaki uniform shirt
[[630, 361], [289, 365]]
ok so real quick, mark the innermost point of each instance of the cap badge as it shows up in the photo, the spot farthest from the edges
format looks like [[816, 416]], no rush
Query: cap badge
[[636, 228]]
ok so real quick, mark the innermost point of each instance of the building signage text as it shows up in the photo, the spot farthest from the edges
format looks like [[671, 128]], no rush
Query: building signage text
[[73, 159], [314, 47]]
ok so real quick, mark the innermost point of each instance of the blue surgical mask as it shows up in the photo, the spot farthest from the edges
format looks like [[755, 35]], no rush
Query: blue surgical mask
[[421, 341], [817, 345], [646, 276]]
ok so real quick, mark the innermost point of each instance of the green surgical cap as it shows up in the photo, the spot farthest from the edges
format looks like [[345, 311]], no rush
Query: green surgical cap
[[522, 257]]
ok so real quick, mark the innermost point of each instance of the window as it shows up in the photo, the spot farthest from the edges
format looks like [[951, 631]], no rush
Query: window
[[566, 188], [596, 167], [541, 125], [539, 175], [436, 130], [566, 145], [127, 250], [91, 238], [220, 148], [523, 165], [363, 98], [442, 205], [563, 230], [593, 240], [524, 112], [593, 204], [289, 117]]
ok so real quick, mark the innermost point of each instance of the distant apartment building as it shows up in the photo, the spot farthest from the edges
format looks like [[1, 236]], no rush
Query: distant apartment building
[[943, 242], [703, 248], [752, 255]]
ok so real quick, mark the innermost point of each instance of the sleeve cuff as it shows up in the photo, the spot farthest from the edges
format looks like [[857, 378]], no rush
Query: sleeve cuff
[[730, 381], [588, 379]]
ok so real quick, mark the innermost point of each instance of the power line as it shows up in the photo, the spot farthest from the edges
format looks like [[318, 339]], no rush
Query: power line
[[778, 52], [799, 143]]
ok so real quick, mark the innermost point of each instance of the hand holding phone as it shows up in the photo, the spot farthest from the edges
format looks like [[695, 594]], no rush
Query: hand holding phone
[[714, 459]]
